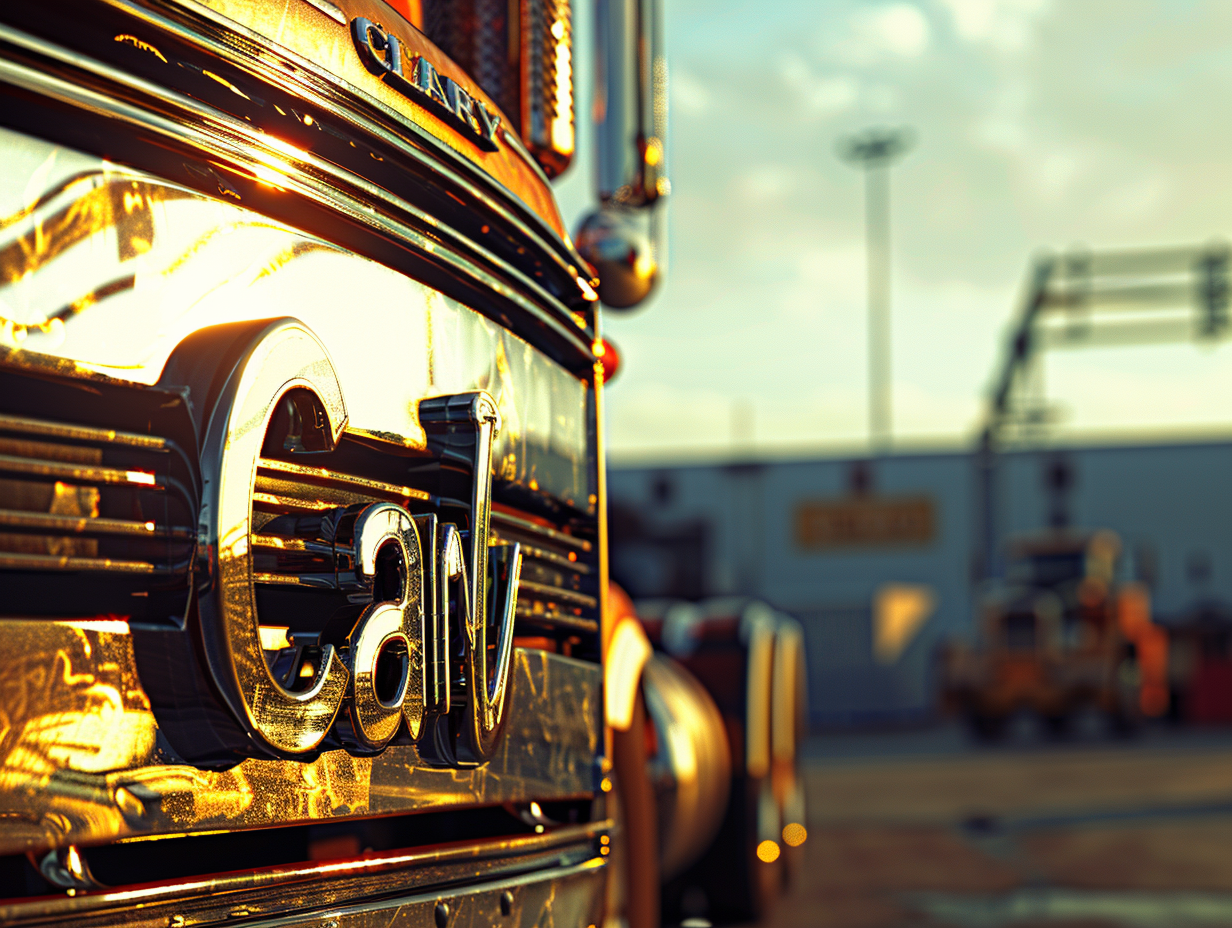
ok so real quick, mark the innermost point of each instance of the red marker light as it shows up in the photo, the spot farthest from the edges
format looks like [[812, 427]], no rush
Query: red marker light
[[609, 357]]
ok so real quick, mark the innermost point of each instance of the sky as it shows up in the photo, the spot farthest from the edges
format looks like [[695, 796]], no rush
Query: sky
[[1040, 126]]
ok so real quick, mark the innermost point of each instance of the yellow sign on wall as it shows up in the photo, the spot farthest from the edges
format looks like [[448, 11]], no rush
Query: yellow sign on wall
[[865, 522]]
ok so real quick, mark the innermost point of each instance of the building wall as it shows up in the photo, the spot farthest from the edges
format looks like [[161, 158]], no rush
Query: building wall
[[1170, 504]]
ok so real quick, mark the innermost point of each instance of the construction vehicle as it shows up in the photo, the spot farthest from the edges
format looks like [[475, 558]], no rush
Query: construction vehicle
[[1059, 636], [1057, 631], [303, 555]]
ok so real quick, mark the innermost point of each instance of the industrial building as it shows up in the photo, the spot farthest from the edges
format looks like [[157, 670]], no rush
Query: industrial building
[[880, 558]]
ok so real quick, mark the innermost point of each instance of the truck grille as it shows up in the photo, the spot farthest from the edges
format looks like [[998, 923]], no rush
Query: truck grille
[[76, 499], [296, 575], [114, 513], [558, 595]]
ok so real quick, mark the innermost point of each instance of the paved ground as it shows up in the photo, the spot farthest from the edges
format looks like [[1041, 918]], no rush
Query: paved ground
[[922, 829]]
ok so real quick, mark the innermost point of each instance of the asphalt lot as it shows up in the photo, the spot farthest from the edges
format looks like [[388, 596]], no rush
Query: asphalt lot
[[922, 828]]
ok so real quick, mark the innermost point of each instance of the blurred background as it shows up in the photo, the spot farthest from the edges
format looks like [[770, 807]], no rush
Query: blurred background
[[941, 367]]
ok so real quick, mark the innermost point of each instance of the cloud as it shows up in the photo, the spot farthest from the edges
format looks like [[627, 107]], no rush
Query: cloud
[[1003, 24], [1097, 135], [895, 28], [821, 96]]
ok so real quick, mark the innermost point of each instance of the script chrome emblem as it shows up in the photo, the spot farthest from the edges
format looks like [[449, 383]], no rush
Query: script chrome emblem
[[390, 676], [417, 79]]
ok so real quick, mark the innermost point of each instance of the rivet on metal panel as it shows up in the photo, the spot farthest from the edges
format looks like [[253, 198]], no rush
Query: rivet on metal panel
[[506, 903], [442, 914]]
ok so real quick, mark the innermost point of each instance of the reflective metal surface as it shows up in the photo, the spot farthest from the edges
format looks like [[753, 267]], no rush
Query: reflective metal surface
[[301, 150], [418, 79], [82, 761], [692, 766], [300, 478], [83, 757], [631, 121], [625, 240], [110, 269], [321, 42], [285, 356], [508, 881], [624, 246]]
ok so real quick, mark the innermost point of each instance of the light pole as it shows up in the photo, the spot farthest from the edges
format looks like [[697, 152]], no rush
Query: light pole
[[874, 150]]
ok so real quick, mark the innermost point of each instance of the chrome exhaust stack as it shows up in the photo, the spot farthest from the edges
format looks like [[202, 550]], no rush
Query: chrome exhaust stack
[[625, 239]]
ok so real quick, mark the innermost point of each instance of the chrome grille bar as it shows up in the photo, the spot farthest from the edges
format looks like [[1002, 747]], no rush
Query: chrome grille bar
[[49, 522]]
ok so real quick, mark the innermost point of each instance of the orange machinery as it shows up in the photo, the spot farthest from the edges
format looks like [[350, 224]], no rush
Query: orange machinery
[[1060, 635]]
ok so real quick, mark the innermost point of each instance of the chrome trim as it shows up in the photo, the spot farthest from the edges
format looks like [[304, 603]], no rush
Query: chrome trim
[[280, 503], [73, 564], [530, 552], [559, 594], [87, 525], [268, 579], [28, 426], [507, 604], [325, 475], [328, 9], [254, 153], [501, 862], [279, 357], [542, 531], [546, 238], [553, 619], [691, 768], [11, 464], [284, 543], [114, 779]]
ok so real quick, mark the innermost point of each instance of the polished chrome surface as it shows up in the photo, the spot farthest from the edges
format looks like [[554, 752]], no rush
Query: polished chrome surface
[[28, 426], [54, 481], [329, 485], [535, 529], [80, 761], [490, 684], [384, 629], [559, 589], [283, 357], [757, 630], [57, 524], [202, 262], [233, 140], [560, 594], [509, 880], [789, 728], [418, 79], [624, 245], [114, 276], [625, 239], [65, 562], [91, 759], [462, 429], [326, 52], [283, 396], [546, 78], [631, 122], [692, 767], [316, 59]]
